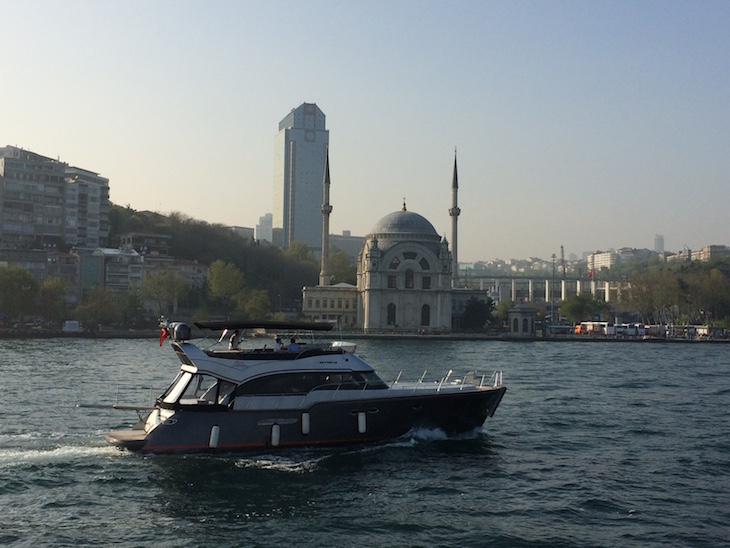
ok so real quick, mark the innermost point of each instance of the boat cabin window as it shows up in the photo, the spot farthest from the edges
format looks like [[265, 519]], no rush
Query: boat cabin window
[[304, 382], [373, 381], [205, 389], [199, 389]]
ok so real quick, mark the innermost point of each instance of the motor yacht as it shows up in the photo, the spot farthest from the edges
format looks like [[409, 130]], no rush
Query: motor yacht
[[253, 396]]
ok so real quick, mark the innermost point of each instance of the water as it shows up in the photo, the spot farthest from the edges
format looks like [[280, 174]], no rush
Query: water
[[595, 444]]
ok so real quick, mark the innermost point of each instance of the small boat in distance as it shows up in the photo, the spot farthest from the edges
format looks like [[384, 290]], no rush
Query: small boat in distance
[[314, 394]]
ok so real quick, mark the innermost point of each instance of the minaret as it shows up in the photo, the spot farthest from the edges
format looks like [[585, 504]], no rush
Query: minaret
[[324, 277], [454, 212]]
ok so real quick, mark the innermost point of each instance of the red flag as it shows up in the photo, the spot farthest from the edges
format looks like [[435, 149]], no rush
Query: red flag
[[164, 333], [590, 274]]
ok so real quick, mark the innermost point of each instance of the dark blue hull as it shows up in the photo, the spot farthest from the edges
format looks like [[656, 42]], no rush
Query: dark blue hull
[[328, 423]]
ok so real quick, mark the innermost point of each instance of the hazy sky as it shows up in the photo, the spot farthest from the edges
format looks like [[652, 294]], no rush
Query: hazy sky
[[587, 124]]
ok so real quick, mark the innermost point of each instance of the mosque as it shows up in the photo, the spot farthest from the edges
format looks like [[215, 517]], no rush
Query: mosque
[[407, 276]]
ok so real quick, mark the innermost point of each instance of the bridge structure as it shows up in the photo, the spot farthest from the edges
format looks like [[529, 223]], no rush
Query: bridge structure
[[544, 289]]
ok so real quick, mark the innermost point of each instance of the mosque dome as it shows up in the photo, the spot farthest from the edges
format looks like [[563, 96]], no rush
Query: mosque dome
[[405, 224]]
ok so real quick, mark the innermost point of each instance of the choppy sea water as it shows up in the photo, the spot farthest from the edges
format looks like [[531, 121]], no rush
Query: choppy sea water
[[601, 444]]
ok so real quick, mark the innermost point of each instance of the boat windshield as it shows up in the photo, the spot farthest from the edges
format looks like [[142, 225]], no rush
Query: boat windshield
[[172, 394]]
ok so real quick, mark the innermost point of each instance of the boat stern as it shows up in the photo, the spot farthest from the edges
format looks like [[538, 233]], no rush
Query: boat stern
[[133, 439]]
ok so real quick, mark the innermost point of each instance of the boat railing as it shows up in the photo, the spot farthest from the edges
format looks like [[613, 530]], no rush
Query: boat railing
[[472, 378], [443, 380]]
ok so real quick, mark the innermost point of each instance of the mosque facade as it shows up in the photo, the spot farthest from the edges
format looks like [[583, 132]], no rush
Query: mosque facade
[[404, 276]]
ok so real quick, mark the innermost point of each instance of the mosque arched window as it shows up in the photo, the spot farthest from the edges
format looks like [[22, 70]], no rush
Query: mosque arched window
[[391, 314], [410, 255], [424, 264], [515, 326], [409, 279], [525, 325], [425, 315], [394, 263]]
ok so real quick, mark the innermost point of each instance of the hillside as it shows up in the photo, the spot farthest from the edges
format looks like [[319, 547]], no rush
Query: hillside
[[282, 274]]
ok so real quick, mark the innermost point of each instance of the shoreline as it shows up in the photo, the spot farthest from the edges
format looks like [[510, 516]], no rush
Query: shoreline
[[152, 334]]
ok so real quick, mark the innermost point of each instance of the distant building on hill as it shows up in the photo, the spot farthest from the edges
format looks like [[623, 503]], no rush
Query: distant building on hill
[[348, 243], [243, 232], [264, 228], [711, 252], [659, 243]]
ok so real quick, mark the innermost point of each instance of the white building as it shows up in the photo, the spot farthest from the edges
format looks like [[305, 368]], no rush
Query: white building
[[404, 276], [331, 303], [87, 208], [601, 259], [299, 159], [122, 269]]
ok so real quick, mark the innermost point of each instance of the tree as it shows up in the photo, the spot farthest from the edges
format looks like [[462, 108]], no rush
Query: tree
[[501, 312], [341, 268], [299, 251], [225, 283], [164, 288], [129, 310], [578, 308], [477, 313], [52, 300], [253, 304], [18, 292], [98, 308]]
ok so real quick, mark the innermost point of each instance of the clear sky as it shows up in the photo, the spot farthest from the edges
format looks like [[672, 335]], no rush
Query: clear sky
[[582, 123]]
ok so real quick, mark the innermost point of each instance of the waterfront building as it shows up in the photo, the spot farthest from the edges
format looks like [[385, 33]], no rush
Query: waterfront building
[[45, 203], [336, 304], [404, 276], [121, 268], [299, 166], [87, 208], [521, 321], [34, 261], [32, 192]]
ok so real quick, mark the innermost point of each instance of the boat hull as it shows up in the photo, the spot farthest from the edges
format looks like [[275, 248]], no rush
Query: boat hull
[[325, 423]]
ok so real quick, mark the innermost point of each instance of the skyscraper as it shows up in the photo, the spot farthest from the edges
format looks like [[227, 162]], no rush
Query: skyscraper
[[299, 163], [659, 243]]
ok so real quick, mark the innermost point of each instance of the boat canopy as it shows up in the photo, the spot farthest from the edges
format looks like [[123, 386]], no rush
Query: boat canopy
[[218, 325]]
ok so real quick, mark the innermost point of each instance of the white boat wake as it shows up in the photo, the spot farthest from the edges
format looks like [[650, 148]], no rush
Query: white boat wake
[[64, 454]]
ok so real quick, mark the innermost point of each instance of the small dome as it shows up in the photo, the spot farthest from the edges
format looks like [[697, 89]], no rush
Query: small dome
[[404, 223]]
